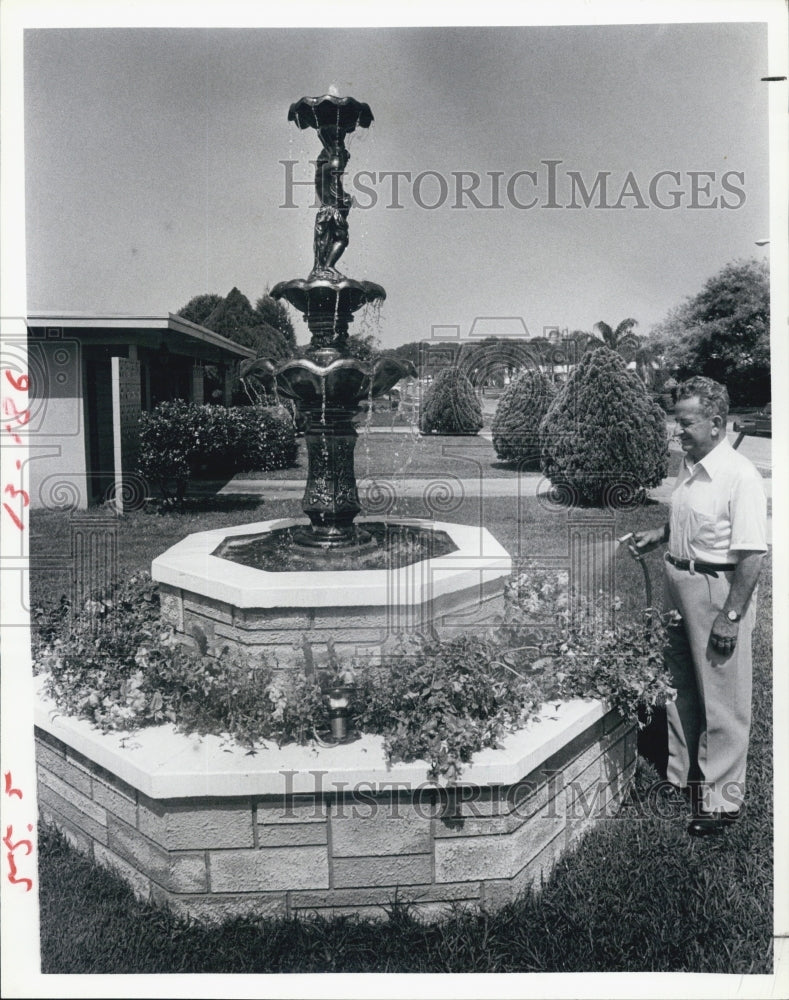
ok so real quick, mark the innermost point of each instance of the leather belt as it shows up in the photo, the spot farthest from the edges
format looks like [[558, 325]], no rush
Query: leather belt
[[693, 566]]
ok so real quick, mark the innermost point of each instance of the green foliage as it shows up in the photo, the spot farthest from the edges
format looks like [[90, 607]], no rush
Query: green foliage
[[723, 332], [516, 425], [450, 405], [442, 701], [118, 666], [114, 663], [621, 338], [363, 346], [621, 663], [167, 447], [604, 438], [179, 439], [234, 318], [275, 313], [198, 309]]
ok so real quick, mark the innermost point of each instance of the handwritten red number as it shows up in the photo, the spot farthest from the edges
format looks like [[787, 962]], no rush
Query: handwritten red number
[[8, 789], [21, 416], [9, 832], [27, 882], [21, 384], [13, 517], [18, 493]]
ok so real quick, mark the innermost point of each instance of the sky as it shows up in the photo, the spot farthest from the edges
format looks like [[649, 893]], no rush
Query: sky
[[153, 168]]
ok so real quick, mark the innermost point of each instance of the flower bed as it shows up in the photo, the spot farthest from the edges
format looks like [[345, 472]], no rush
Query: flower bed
[[204, 783], [118, 666]]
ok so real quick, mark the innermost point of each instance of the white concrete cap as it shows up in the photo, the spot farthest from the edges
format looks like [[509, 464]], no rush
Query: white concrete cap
[[189, 565]]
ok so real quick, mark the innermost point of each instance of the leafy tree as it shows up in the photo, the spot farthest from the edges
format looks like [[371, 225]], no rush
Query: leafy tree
[[277, 316], [570, 349], [405, 352], [516, 425], [199, 308], [723, 332], [604, 438], [363, 346], [450, 405], [234, 317]]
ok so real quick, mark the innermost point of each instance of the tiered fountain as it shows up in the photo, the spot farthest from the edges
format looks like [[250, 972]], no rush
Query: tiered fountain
[[297, 829], [260, 587]]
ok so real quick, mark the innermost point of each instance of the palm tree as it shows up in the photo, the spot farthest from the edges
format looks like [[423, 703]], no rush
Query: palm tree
[[617, 338]]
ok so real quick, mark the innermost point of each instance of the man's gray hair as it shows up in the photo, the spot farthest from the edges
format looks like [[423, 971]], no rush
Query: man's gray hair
[[713, 397]]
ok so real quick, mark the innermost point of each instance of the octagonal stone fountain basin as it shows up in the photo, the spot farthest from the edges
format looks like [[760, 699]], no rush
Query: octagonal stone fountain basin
[[214, 832], [214, 602]]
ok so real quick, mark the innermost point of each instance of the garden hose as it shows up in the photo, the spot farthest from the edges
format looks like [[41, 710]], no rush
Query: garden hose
[[639, 558]]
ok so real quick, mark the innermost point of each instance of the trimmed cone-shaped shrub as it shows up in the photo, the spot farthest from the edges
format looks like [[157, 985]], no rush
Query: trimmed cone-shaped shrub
[[603, 438], [450, 405], [516, 425]]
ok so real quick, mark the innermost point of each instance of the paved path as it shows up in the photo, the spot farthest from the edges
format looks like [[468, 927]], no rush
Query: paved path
[[527, 485]]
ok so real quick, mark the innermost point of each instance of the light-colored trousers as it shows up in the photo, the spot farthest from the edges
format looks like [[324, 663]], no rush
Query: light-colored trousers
[[710, 720]]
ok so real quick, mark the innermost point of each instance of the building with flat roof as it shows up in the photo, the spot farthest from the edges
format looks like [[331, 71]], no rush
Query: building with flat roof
[[90, 379]]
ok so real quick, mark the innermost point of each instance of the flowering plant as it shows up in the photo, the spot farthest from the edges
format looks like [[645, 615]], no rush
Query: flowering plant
[[114, 662]]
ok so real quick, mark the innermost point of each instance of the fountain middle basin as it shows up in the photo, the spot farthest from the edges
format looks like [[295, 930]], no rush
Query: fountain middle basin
[[214, 602]]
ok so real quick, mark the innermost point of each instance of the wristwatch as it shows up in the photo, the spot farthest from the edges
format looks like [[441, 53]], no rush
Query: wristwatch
[[733, 616]]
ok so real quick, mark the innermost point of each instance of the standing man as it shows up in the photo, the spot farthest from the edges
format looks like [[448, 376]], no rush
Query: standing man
[[717, 538]]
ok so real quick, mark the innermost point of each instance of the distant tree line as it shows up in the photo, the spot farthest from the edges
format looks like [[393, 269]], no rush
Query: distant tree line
[[723, 332]]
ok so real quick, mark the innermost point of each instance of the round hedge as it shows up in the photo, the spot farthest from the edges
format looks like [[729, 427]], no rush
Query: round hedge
[[450, 405], [603, 438], [516, 425]]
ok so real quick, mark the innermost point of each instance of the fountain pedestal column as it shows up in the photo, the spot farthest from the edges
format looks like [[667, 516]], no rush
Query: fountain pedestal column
[[331, 500]]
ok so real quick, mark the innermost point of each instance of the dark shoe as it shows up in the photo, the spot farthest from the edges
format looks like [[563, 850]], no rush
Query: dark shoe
[[673, 795], [709, 824]]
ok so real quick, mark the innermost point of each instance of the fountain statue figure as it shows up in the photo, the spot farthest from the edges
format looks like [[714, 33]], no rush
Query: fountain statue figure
[[327, 384], [331, 222]]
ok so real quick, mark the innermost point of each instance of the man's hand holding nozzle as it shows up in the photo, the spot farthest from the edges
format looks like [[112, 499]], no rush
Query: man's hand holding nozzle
[[641, 542]]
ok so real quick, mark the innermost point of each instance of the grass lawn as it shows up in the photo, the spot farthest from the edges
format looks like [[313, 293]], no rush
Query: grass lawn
[[637, 895], [393, 454], [524, 526]]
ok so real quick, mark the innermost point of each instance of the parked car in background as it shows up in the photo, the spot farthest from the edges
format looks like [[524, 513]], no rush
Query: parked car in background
[[757, 423]]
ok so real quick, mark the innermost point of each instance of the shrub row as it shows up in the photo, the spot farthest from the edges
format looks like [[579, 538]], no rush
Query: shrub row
[[179, 440], [601, 439]]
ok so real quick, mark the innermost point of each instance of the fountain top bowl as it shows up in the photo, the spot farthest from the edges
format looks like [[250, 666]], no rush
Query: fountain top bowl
[[345, 113], [327, 293]]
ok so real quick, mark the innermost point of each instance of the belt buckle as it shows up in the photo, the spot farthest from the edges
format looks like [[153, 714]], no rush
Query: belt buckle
[[692, 567]]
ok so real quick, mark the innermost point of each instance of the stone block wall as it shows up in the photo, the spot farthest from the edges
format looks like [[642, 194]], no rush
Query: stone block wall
[[355, 631], [341, 849]]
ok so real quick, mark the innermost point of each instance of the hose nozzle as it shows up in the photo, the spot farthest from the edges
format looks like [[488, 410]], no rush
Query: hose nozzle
[[631, 547]]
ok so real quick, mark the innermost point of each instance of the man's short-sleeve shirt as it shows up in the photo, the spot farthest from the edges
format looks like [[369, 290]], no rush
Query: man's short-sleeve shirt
[[718, 508]]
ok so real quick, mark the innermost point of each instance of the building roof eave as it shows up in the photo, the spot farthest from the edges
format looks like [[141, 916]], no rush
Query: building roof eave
[[119, 323]]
